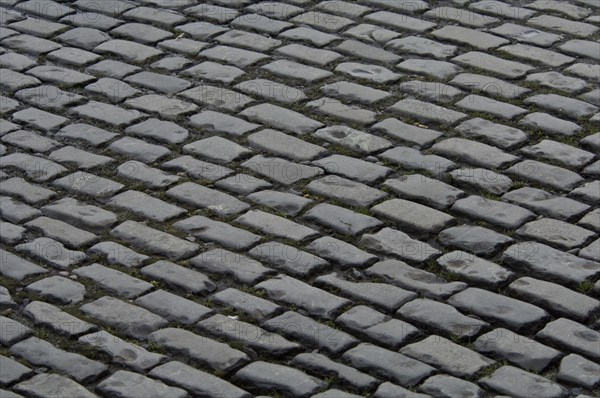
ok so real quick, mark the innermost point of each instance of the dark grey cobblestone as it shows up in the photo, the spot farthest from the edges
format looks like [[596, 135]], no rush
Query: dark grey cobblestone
[[457, 136]]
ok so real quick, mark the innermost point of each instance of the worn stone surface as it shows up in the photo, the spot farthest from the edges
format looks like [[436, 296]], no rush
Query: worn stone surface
[[410, 169]]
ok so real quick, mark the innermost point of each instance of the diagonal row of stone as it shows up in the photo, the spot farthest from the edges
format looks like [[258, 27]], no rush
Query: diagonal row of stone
[[299, 198]]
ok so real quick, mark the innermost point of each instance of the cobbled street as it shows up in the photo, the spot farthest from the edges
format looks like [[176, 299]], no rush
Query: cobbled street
[[328, 199]]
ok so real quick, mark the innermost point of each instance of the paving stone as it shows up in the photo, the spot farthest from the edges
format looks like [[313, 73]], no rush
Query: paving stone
[[438, 69], [503, 110], [407, 277], [121, 351], [495, 212], [41, 353], [304, 33], [184, 46], [81, 159], [39, 119], [221, 123], [281, 118], [25, 191], [588, 71], [201, 30], [255, 307], [570, 10], [572, 336], [265, 377], [179, 277], [128, 50], [287, 203], [52, 317], [59, 289], [167, 108], [196, 381], [200, 196], [208, 352], [581, 48], [556, 177], [154, 241], [146, 206], [389, 390], [421, 46], [36, 168], [477, 39], [212, 12], [309, 54], [490, 63], [159, 130], [488, 85], [591, 251], [499, 135], [275, 10], [34, 142], [415, 135], [214, 72], [115, 90], [127, 318], [11, 233], [504, 344], [448, 356], [341, 220], [441, 317], [217, 97], [138, 150], [432, 91], [579, 29], [80, 214], [30, 44], [84, 132], [294, 292], [490, 306], [14, 81], [271, 90], [520, 384], [401, 22], [448, 386], [172, 307], [353, 139], [426, 112], [481, 180], [372, 73], [389, 364], [352, 168], [387, 297], [216, 231], [242, 184], [371, 33], [413, 216], [394, 242], [52, 252], [142, 173], [72, 237], [106, 113], [302, 328], [114, 281], [555, 80], [113, 69], [48, 97], [346, 113], [73, 56], [128, 384], [555, 233], [474, 152], [12, 331], [537, 54], [562, 105], [252, 336], [555, 298], [198, 169], [281, 144], [12, 371], [51, 385], [549, 263], [577, 370], [321, 365], [591, 220], [288, 258], [84, 183], [474, 239], [588, 192], [463, 17]]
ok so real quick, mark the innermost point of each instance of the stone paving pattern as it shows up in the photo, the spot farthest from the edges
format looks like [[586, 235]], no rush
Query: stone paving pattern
[[304, 198]]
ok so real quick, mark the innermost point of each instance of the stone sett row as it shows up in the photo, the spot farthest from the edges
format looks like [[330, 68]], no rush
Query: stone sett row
[[382, 198]]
